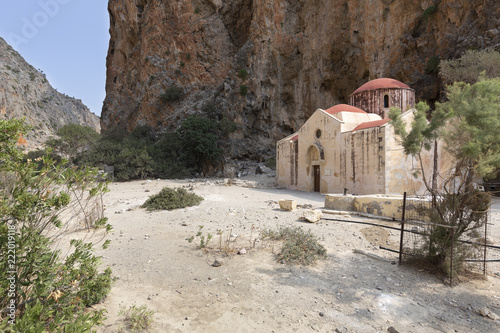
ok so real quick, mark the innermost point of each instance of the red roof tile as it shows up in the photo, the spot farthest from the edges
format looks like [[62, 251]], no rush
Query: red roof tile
[[343, 108], [381, 83], [374, 123], [296, 137]]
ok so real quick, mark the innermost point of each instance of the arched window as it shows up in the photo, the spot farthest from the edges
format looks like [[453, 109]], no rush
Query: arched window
[[386, 101]]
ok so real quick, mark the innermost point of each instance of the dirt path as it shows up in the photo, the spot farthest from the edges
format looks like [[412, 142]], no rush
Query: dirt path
[[348, 292]]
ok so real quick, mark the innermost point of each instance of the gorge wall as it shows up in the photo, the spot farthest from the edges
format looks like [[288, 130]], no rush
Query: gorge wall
[[299, 55], [26, 92]]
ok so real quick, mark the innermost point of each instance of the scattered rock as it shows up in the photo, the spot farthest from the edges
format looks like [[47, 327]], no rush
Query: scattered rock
[[313, 215], [305, 206], [485, 312], [341, 330], [392, 330], [261, 169], [288, 204], [242, 251], [218, 262]]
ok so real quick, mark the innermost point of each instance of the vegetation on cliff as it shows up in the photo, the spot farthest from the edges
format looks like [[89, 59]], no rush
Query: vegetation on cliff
[[195, 147]]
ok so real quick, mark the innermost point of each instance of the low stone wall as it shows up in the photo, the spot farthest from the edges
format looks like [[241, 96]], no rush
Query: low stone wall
[[379, 205]]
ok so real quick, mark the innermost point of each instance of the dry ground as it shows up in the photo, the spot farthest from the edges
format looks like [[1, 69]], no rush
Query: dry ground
[[348, 292]]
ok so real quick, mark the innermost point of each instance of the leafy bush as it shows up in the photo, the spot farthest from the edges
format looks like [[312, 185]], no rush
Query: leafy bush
[[243, 90], [429, 11], [227, 126], [51, 292], [470, 67], [432, 65], [243, 74], [137, 155], [211, 111], [143, 153], [170, 198], [298, 247], [271, 163], [199, 141], [172, 94], [138, 318]]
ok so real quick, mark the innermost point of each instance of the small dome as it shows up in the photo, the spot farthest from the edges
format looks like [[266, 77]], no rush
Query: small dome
[[343, 108], [380, 84]]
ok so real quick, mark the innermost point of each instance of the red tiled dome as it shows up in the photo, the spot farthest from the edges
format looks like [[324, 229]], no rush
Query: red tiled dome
[[381, 83], [343, 108]]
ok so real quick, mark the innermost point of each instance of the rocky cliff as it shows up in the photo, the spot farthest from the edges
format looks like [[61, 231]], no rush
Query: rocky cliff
[[291, 57], [25, 92]]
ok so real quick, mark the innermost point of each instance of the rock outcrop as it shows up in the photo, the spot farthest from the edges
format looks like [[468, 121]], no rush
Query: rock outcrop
[[268, 65], [25, 92]]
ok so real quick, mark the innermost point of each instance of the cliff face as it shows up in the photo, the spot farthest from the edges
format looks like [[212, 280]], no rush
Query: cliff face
[[299, 55], [25, 92]]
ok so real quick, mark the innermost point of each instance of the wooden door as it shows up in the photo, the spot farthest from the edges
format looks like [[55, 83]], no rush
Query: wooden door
[[317, 187]]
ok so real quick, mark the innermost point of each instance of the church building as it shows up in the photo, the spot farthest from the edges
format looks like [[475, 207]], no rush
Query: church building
[[352, 148]]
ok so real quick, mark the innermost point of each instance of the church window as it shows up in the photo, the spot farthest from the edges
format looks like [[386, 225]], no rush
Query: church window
[[386, 101]]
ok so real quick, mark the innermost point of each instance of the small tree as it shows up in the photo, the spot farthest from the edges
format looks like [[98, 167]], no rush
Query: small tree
[[468, 125], [72, 139], [44, 289], [200, 142], [172, 94]]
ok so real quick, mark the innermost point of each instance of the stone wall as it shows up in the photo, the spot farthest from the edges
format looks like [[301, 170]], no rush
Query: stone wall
[[378, 205]]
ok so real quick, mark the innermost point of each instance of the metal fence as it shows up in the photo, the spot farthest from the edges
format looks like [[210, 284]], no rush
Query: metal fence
[[454, 249]]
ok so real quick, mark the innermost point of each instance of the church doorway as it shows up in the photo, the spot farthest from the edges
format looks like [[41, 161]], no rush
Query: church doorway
[[317, 179]]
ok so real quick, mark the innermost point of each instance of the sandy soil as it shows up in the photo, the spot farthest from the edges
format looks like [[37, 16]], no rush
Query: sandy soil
[[350, 291]]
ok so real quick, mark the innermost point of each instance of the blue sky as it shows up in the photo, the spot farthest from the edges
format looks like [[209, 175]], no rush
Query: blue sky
[[66, 39]]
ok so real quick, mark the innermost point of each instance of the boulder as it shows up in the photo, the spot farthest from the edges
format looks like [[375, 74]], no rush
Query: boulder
[[288, 204], [313, 215]]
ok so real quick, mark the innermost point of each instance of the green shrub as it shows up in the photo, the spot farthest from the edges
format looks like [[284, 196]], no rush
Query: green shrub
[[211, 111], [227, 126], [170, 198], [138, 318], [298, 247], [203, 240], [243, 74], [429, 11], [137, 155], [470, 67], [55, 289], [199, 142], [271, 163], [172, 94], [243, 90], [432, 65]]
